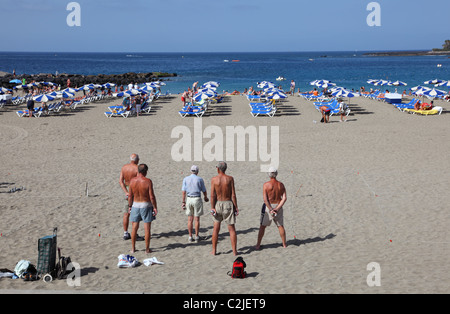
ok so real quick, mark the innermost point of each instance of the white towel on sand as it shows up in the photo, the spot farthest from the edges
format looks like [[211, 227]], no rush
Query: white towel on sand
[[151, 261]]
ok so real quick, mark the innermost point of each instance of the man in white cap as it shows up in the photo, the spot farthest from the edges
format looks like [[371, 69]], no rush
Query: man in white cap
[[193, 187], [274, 194]]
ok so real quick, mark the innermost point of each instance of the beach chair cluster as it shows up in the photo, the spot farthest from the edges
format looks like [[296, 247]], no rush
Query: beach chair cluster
[[310, 96], [266, 108], [336, 107], [375, 95], [18, 100], [125, 112]]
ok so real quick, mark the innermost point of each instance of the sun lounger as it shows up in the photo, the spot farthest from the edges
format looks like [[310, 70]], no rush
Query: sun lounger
[[264, 111], [435, 110]]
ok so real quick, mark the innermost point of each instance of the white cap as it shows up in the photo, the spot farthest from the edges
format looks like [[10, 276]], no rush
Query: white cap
[[194, 168], [272, 169]]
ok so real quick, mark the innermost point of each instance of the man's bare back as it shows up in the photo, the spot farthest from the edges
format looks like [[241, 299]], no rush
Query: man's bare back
[[141, 189], [274, 190], [223, 187]]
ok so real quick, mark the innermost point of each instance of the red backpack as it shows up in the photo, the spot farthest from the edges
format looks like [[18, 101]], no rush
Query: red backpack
[[238, 270]]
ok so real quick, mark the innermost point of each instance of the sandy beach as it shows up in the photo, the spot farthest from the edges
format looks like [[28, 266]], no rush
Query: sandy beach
[[372, 189]]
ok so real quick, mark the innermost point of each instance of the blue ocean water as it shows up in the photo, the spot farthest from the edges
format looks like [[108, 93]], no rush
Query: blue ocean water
[[348, 69]]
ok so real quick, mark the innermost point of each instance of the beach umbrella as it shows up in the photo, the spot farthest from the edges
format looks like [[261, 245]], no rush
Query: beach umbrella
[[344, 93], [15, 81], [381, 83], [131, 92], [43, 98], [70, 90], [433, 93], [4, 90], [211, 84], [108, 85], [147, 88], [325, 85], [65, 94], [444, 84], [397, 83], [435, 81], [265, 84], [277, 95], [419, 90], [204, 95]]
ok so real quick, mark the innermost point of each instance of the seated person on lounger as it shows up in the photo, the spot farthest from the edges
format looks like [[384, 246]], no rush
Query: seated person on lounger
[[426, 106], [417, 105]]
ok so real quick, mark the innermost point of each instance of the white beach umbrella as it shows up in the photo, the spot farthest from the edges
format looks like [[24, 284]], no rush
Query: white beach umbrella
[[43, 98], [69, 90], [65, 94], [211, 84], [434, 93], [444, 84], [397, 83], [435, 81]]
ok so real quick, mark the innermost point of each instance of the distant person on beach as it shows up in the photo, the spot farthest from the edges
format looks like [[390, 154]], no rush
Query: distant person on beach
[[30, 107], [223, 206], [192, 189], [274, 194], [128, 172], [343, 109], [326, 111], [292, 87], [142, 206]]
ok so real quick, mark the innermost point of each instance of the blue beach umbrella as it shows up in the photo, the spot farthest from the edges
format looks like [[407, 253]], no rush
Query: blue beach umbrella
[[4, 90], [15, 81]]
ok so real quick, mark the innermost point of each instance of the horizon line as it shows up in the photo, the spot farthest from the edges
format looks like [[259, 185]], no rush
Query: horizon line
[[218, 52]]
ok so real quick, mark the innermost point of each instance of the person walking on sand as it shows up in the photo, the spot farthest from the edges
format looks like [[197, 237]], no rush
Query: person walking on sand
[[192, 188], [142, 206], [223, 206], [274, 194], [128, 172]]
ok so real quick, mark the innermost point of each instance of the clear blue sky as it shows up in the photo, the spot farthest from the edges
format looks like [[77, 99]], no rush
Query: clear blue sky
[[223, 25]]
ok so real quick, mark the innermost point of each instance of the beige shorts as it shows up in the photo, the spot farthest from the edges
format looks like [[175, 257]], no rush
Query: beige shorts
[[225, 212], [194, 206], [267, 217]]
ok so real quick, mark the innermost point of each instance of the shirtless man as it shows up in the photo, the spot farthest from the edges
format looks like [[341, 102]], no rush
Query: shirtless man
[[325, 111], [128, 172], [142, 206], [223, 206], [274, 194]]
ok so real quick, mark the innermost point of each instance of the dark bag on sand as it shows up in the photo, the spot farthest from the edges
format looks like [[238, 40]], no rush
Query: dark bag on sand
[[47, 254], [238, 270], [62, 270]]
